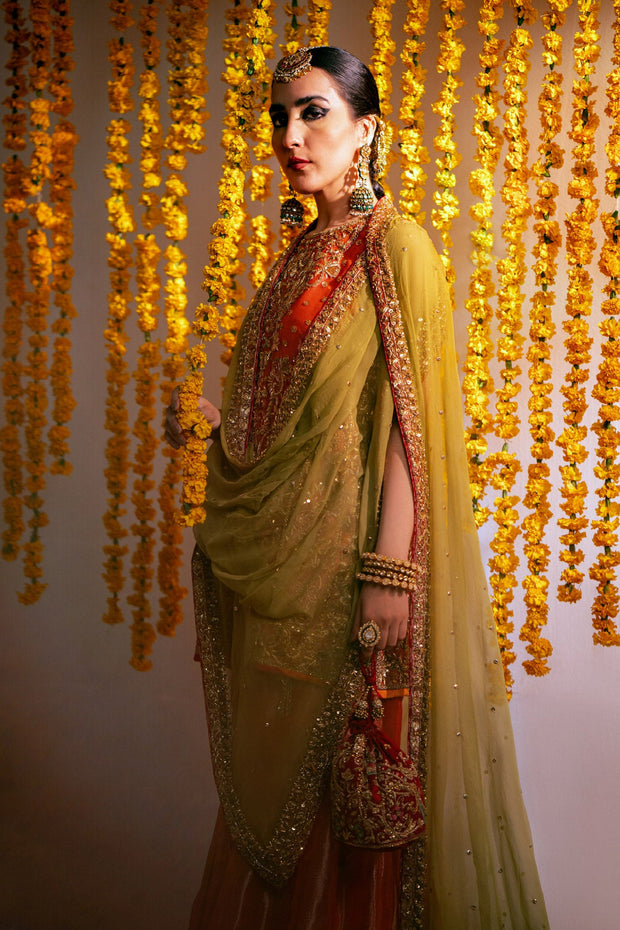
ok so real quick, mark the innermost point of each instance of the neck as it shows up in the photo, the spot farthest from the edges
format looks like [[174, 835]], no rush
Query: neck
[[332, 212]]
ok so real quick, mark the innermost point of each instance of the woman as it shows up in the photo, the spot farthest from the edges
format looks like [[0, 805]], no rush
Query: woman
[[339, 513]]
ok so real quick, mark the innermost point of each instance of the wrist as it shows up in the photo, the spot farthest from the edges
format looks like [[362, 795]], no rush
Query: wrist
[[388, 571]]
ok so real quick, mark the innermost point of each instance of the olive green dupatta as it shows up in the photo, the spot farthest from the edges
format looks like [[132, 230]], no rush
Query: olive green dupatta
[[282, 536]]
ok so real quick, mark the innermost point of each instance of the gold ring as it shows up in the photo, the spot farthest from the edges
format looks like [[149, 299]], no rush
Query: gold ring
[[369, 634]]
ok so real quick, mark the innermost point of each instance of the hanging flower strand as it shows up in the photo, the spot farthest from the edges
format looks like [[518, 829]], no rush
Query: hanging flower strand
[[414, 153], [38, 298], [478, 383], [318, 22], [145, 376], [64, 140], [512, 274], [449, 63], [221, 280], [294, 30], [512, 268], [383, 58], [580, 245], [221, 274], [120, 262], [546, 248], [607, 389], [261, 33], [187, 42], [14, 172]]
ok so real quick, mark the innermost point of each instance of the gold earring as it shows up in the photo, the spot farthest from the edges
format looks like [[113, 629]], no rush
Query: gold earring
[[292, 211], [362, 200]]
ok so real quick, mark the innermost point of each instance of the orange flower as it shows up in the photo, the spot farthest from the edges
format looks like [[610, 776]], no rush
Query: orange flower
[[579, 247]]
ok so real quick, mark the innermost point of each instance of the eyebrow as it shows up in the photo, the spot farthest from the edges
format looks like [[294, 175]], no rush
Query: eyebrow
[[300, 102]]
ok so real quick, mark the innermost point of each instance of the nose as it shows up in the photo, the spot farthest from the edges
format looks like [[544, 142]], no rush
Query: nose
[[292, 134]]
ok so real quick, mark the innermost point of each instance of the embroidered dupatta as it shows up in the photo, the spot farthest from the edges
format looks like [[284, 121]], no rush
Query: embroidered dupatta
[[285, 525]]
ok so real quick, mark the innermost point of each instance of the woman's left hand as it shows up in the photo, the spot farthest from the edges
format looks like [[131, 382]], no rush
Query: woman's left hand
[[388, 607], [173, 433]]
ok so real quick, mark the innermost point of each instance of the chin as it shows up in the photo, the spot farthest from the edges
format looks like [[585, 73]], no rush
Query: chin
[[306, 190]]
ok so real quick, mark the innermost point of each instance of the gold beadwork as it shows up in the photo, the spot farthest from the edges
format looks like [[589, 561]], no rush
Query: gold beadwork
[[293, 66]]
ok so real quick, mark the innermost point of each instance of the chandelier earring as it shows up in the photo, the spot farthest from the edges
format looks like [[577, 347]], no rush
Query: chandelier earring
[[362, 200], [291, 210]]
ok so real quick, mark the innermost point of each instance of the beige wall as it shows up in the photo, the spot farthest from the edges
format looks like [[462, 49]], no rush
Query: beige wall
[[106, 789]]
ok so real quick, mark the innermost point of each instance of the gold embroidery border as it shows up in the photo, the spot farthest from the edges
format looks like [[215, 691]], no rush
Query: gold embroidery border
[[276, 860], [414, 911]]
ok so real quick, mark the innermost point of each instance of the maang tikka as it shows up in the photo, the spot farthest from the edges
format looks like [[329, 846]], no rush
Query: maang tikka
[[293, 66], [291, 210], [362, 200]]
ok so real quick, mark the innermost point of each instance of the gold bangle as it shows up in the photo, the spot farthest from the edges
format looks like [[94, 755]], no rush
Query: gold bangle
[[375, 558], [389, 581], [395, 572]]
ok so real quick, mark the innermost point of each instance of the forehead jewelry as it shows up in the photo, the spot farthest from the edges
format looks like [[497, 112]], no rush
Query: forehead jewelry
[[293, 66]]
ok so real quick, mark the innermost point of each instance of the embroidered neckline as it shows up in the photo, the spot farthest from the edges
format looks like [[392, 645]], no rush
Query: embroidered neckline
[[352, 223]]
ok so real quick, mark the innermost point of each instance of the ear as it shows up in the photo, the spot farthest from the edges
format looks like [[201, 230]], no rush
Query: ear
[[366, 126]]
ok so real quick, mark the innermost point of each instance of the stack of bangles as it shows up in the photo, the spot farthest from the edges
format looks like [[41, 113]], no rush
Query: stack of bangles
[[395, 573]]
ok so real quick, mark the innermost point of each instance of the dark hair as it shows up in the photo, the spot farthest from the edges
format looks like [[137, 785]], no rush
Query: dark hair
[[355, 84]]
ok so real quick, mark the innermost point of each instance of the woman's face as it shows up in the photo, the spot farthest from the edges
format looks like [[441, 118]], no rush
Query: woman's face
[[315, 137]]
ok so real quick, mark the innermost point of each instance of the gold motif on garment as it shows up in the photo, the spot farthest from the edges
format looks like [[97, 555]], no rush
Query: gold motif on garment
[[273, 371]]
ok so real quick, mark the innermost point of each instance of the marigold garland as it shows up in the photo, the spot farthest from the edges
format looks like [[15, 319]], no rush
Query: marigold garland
[[478, 383], [220, 281], [145, 376], [542, 328], [580, 245], [512, 274], [514, 194], [383, 58], [14, 172], [294, 30], [37, 306], [607, 389], [318, 22], [40, 269], [187, 82], [120, 262], [261, 34], [505, 561], [243, 97], [414, 153], [48, 249], [449, 62], [64, 140]]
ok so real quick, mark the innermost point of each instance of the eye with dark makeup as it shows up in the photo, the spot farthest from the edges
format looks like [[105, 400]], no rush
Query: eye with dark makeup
[[312, 112]]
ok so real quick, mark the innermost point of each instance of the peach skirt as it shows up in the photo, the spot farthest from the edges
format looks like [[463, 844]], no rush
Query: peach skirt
[[334, 887]]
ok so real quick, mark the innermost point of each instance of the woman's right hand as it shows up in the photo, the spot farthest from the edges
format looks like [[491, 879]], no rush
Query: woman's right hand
[[173, 433]]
